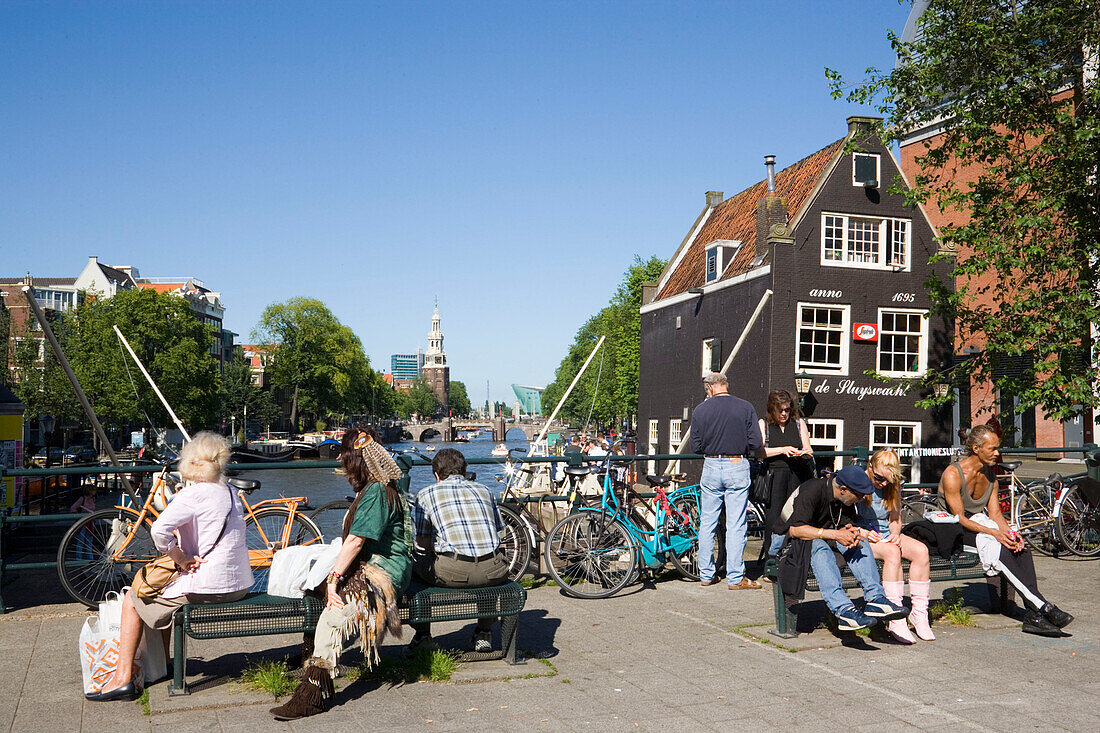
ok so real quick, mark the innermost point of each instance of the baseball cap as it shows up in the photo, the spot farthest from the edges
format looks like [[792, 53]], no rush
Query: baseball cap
[[854, 479]]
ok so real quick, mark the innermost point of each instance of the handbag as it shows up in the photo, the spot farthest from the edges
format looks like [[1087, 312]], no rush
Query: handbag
[[760, 488], [155, 575]]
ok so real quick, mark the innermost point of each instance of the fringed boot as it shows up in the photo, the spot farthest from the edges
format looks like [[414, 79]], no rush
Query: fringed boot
[[895, 589], [312, 695], [918, 592]]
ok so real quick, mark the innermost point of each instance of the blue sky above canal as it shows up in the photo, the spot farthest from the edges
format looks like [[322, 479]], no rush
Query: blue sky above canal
[[509, 159]]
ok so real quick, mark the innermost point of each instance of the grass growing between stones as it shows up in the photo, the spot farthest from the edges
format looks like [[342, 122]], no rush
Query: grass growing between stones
[[536, 581], [144, 702], [435, 665], [270, 677], [951, 609]]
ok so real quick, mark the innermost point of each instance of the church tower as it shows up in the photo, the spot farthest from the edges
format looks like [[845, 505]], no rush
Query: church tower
[[436, 372]]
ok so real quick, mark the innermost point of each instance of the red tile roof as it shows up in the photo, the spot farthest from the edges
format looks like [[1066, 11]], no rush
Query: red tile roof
[[735, 218], [162, 287]]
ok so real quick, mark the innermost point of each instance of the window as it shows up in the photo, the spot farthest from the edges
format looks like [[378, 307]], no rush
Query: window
[[826, 435], [653, 432], [865, 170], [822, 339], [712, 355], [893, 434], [902, 343], [674, 434], [654, 447], [712, 265], [859, 241]]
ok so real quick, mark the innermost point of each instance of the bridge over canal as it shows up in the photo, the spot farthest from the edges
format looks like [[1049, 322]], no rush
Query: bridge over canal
[[449, 429]]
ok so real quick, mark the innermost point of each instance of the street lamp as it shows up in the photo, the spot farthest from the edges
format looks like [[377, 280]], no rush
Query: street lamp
[[940, 389], [48, 423], [802, 384]]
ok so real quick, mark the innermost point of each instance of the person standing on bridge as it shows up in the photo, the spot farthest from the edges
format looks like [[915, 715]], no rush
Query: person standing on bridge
[[724, 429]]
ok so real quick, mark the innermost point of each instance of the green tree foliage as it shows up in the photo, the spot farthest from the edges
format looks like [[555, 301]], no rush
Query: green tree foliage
[[320, 360], [615, 368], [38, 379], [240, 398], [170, 342], [459, 399], [420, 400], [1006, 80]]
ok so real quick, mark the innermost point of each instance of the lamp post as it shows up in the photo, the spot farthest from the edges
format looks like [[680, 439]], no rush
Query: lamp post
[[940, 389], [48, 423], [802, 384]]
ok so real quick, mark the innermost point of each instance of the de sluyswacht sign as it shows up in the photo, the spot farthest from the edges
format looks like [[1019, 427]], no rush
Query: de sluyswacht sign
[[849, 387]]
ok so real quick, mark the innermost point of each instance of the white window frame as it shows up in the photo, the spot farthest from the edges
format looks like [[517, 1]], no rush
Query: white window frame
[[922, 347], [675, 433], [878, 168], [654, 431], [845, 339], [708, 353], [882, 251], [911, 461], [836, 444]]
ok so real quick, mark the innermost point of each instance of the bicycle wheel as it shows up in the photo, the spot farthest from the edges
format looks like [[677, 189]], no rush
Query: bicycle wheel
[[85, 561], [264, 536], [1078, 524], [687, 562], [1035, 524], [914, 507], [329, 518], [515, 542], [590, 555]]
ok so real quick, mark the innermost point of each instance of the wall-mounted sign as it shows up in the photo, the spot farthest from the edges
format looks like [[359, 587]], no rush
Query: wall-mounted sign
[[865, 332]]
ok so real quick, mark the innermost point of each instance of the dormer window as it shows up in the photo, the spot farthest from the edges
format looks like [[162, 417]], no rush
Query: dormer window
[[719, 254], [865, 170]]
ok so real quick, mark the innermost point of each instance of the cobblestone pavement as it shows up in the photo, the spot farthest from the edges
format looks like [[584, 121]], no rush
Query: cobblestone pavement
[[667, 656]]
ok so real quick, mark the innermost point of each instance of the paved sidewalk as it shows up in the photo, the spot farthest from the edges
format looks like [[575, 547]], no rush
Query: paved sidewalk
[[670, 656]]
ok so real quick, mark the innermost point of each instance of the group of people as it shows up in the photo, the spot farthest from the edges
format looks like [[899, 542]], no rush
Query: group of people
[[855, 514], [448, 536]]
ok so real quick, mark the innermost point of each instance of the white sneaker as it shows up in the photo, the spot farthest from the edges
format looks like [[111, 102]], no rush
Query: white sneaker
[[483, 641]]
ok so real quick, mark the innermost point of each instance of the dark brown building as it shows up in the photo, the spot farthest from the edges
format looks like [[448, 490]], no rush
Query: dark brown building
[[839, 264]]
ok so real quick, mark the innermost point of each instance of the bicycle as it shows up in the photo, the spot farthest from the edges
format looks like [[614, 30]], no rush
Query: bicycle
[[592, 552], [1077, 525], [1033, 508], [103, 551]]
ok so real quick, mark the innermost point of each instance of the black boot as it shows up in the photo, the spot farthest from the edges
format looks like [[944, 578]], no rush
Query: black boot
[[312, 695], [1055, 615], [1034, 623]]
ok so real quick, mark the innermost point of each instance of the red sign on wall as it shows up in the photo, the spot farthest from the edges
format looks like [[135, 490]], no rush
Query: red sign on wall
[[865, 332]]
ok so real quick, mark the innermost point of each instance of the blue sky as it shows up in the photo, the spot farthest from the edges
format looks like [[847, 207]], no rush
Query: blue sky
[[507, 158]]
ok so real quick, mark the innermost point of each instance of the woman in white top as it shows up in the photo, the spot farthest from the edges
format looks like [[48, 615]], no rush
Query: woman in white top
[[210, 550]]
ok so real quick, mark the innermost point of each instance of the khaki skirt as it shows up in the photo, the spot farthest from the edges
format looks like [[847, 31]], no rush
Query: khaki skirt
[[157, 612]]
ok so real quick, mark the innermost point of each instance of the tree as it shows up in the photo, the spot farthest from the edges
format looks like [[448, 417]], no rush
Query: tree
[[419, 400], [38, 379], [320, 360], [609, 389], [172, 344], [459, 399], [240, 398], [1016, 170]]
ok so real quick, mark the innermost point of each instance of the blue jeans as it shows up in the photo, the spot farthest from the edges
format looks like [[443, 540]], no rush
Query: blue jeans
[[862, 564], [723, 481], [776, 544]]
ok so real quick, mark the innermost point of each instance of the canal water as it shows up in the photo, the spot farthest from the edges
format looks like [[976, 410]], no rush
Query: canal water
[[321, 485]]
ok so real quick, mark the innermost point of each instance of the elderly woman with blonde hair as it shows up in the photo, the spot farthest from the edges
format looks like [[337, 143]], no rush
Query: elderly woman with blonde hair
[[202, 529], [880, 522]]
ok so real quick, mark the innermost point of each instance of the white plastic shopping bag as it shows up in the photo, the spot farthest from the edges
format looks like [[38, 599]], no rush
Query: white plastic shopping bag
[[301, 568], [99, 638]]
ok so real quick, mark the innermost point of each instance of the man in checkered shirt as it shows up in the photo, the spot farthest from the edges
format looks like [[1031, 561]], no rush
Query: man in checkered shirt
[[457, 539]]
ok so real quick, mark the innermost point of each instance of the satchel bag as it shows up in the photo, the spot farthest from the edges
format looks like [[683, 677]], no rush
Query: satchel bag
[[155, 575]]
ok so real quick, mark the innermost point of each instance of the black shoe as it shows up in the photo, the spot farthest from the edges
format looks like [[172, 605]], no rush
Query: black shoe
[[1055, 615], [1034, 623], [129, 691]]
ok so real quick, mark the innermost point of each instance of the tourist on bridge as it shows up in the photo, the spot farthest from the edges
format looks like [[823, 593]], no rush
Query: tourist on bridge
[[724, 429]]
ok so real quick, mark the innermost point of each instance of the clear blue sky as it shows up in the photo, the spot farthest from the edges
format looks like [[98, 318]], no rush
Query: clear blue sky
[[509, 158]]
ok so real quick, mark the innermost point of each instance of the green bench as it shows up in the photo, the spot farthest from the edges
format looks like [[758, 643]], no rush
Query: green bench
[[260, 614], [961, 566]]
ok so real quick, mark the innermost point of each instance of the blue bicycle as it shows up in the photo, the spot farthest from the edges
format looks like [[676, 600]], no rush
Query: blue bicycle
[[593, 552]]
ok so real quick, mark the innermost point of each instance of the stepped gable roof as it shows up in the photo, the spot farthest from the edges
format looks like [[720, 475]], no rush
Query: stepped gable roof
[[735, 219]]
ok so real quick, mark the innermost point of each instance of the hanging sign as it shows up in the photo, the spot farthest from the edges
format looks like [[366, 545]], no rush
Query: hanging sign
[[865, 332]]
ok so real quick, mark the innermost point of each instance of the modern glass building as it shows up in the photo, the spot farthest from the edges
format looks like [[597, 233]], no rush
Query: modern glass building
[[407, 366], [530, 399]]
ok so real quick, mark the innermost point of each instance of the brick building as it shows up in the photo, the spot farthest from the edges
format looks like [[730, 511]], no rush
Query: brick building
[[845, 262]]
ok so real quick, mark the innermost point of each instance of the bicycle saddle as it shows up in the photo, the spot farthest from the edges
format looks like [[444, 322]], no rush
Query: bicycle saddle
[[658, 480], [576, 470], [1011, 465], [244, 484]]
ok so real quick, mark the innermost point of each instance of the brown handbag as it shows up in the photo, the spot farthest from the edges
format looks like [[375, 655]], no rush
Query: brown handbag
[[155, 575]]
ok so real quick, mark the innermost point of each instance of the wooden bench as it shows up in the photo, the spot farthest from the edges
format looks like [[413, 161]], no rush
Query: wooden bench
[[260, 614], [961, 566]]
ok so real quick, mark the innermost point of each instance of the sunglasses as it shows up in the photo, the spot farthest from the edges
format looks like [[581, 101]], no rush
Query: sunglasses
[[880, 478], [784, 409]]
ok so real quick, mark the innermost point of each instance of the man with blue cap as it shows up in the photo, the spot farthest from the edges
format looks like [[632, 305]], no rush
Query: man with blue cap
[[821, 514]]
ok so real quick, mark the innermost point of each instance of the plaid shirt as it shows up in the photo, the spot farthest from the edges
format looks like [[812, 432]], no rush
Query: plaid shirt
[[461, 516]]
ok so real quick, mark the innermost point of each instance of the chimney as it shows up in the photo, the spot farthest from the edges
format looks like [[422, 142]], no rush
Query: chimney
[[858, 124], [769, 163], [714, 198], [649, 292]]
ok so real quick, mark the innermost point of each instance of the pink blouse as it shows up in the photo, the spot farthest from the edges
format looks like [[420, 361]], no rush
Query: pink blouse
[[197, 514]]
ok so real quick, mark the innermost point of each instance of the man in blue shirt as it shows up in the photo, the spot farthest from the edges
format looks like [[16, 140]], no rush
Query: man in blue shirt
[[725, 429], [457, 536]]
